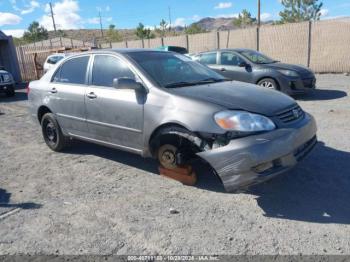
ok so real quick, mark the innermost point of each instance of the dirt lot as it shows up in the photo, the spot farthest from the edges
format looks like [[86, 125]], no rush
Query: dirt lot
[[95, 200]]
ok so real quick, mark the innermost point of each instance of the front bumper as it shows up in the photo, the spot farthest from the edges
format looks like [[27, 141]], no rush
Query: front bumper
[[254, 159], [4, 87], [294, 86]]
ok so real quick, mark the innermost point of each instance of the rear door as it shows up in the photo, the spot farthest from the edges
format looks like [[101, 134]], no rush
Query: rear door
[[113, 115], [229, 64], [67, 94]]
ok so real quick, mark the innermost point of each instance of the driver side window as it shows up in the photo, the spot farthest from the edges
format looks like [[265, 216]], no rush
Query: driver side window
[[228, 58], [106, 68]]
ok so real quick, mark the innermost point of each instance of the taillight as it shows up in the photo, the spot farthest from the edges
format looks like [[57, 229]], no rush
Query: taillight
[[28, 89]]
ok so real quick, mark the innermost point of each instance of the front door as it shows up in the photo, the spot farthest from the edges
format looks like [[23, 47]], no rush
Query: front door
[[229, 66], [113, 115]]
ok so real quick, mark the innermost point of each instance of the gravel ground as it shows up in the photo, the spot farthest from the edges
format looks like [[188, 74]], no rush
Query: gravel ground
[[95, 200]]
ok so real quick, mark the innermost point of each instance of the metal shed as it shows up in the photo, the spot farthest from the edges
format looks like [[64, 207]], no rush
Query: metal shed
[[8, 56]]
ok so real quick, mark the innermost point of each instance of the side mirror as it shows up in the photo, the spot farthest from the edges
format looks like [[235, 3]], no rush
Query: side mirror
[[243, 64], [127, 83]]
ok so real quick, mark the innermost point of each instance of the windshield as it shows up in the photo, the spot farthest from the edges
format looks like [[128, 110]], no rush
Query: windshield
[[256, 57], [172, 70]]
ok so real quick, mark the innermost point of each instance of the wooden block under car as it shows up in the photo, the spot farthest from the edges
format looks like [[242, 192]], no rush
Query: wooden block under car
[[185, 174]]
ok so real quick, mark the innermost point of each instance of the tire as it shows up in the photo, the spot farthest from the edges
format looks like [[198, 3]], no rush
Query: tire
[[268, 83], [52, 133], [10, 92]]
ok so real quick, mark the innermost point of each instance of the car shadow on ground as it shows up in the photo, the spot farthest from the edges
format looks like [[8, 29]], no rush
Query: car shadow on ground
[[317, 190], [21, 95], [5, 202], [206, 179], [321, 94]]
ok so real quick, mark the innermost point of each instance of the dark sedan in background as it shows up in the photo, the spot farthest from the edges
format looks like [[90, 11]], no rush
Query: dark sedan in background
[[250, 66]]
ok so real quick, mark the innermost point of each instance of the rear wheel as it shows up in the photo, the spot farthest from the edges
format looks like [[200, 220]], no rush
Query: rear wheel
[[10, 92], [52, 133], [268, 83]]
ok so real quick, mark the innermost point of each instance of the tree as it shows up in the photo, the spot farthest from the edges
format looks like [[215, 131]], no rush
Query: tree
[[113, 34], [244, 19], [143, 33], [300, 10], [194, 29], [163, 27], [35, 33]]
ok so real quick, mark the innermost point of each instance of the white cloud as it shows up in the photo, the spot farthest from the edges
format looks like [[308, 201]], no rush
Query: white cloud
[[196, 18], [14, 32], [9, 19], [109, 19], [181, 21], [94, 20], [324, 12], [223, 5], [30, 8], [66, 15], [265, 17], [108, 8], [227, 15]]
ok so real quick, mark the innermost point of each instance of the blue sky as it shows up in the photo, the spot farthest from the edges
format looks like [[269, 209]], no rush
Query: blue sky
[[16, 15]]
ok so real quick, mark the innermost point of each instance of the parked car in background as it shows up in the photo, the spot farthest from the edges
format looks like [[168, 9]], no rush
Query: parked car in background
[[167, 106], [176, 49], [7, 83], [254, 67], [52, 60]]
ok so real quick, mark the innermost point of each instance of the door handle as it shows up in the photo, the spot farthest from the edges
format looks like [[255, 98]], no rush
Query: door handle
[[91, 95], [222, 69], [53, 90]]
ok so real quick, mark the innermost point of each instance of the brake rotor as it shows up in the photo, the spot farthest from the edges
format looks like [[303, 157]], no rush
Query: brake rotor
[[167, 156]]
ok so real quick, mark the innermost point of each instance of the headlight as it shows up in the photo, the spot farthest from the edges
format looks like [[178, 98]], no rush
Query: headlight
[[7, 78], [289, 73], [243, 121]]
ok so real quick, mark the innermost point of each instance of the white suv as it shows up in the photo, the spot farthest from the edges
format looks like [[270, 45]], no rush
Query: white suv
[[52, 60]]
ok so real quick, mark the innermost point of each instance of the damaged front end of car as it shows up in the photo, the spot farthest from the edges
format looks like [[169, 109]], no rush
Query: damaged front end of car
[[240, 160]]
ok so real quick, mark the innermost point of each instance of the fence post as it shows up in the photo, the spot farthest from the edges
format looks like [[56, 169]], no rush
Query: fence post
[[217, 40], [187, 43], [258, 38], [309, 44], [23, 62], [162, 41], [228, 38]]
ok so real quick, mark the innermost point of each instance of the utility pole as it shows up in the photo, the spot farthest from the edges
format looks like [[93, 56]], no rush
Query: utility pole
[[258, 28], [259, 13], [99, 14], [169, 18], [53, 19]]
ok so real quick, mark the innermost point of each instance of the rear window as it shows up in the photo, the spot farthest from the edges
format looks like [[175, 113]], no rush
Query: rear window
[[208, 58], [54, 59], [177, 49], [72, 71]]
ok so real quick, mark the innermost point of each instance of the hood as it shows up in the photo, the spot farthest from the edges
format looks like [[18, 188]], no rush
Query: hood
[[238, 96], [298, 68]]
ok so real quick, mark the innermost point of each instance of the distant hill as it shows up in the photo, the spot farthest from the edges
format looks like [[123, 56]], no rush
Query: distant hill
[[88, 35]]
